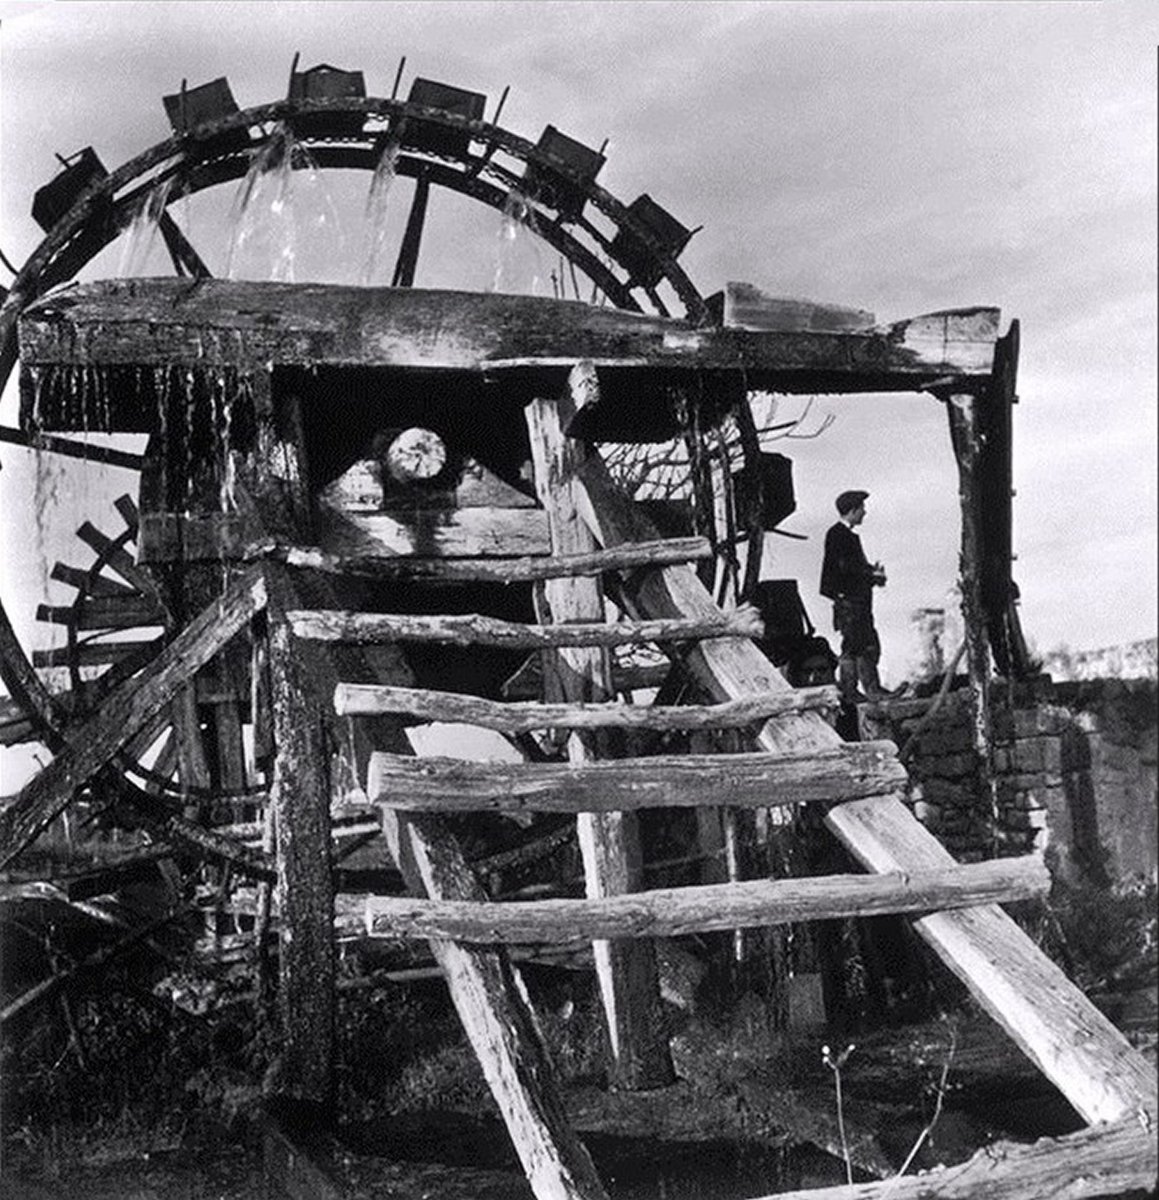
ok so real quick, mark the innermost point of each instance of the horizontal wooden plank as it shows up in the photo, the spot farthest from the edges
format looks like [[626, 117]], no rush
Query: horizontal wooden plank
[[227, 323], [94, 654], [674, 912], [473, 629], [1075, 1046], [455, 533], [1104, 1160], [93, 585], [489, 570], [370, 699], [105, 612], [664, 781]]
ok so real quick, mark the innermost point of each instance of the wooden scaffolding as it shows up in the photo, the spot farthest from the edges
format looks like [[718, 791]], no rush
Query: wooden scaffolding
[[274, 578]]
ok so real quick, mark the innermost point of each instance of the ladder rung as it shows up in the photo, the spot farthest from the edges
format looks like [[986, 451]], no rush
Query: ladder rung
[[674, 912], [370, 699], [757, 780], [474, 629], [495, 570]]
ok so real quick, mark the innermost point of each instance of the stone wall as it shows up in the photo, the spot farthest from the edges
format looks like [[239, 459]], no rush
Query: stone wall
[[1075, 771]]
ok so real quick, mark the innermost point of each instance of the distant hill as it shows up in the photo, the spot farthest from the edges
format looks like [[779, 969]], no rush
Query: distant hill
[[1131, 660]]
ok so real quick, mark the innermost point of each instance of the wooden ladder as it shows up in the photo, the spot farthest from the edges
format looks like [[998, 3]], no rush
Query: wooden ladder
[[799, 759]]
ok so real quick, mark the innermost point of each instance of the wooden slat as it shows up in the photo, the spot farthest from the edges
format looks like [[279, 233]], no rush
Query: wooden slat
[[67, 447], [98, 585], [124, 712], [130, 514], [1075, 1046], [94, 654], [165, 322], [1105, 1160], [455, 533], [473, 629], [484, 570], [665, 781], [365, 700], [674, 912], [105, 612]]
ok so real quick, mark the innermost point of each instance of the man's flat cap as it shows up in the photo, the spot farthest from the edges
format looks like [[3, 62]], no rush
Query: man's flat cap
[[848, 501]]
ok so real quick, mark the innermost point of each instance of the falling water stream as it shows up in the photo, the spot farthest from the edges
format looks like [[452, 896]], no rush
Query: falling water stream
[[517, 254], [141, 236], [284, 212], [374, 271]]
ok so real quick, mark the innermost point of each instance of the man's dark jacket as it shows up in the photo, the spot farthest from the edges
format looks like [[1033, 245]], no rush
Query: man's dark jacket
[[845, 571]]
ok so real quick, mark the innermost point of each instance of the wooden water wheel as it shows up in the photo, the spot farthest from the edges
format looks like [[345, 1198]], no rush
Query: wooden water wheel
[[363, 509]]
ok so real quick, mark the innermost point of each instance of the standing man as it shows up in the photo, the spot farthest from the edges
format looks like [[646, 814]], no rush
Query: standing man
[[848, 579]]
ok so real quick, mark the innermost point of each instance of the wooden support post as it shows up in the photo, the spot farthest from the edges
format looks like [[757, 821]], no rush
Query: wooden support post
[[609, 842], [964, 434], [300, 798]]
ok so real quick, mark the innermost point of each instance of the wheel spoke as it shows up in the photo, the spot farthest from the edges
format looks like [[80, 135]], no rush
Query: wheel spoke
[[408, 255]]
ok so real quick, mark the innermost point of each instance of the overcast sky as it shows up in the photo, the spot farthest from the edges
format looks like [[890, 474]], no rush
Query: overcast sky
[[900, 158]]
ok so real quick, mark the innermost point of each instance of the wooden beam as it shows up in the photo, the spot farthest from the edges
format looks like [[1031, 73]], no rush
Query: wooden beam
[[674, 912], [610, 841], [473, 629], [1105, 1160], [365, 700], [171, 322], [125, 711], [1075, 1046], [756, 780]]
